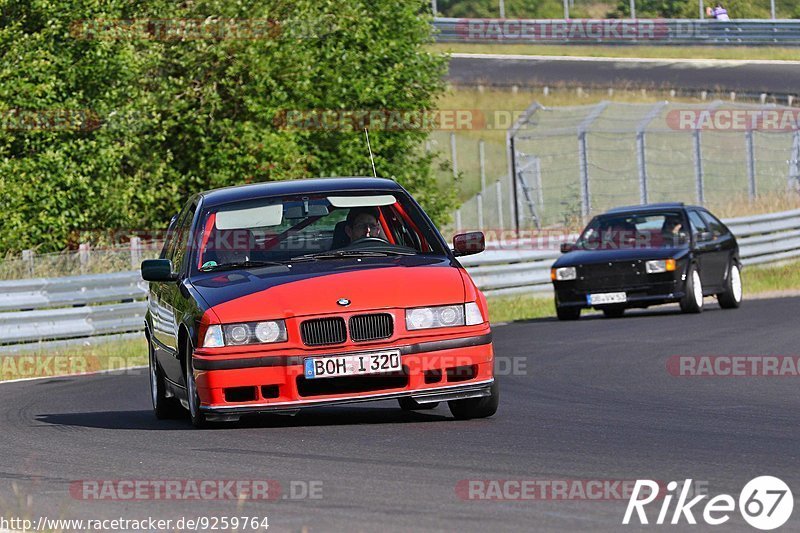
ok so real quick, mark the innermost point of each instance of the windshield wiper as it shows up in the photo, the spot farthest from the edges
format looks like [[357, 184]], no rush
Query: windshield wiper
[[239, 264], [352, 253]]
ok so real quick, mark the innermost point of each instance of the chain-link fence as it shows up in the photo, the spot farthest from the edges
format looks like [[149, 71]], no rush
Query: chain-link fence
[[573, 162]]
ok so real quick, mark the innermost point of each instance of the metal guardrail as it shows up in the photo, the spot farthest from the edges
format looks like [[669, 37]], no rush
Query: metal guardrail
[[747, 32], [46, 313], [511, 269]]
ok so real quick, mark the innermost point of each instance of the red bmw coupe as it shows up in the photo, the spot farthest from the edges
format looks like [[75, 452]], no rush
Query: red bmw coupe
[[279, 296]]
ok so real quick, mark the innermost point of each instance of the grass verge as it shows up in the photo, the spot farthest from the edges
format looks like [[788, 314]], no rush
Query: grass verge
[[757, 280], [655, 52], [113, 355]]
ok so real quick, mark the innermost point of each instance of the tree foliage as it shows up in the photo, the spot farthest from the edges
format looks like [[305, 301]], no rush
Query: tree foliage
[[177, 115]]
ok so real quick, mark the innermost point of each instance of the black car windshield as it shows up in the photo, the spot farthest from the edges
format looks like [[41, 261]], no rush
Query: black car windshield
[[632, 231], [312, 227]]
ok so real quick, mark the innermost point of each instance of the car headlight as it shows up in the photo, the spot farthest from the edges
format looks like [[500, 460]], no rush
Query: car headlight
[[563, 273], [659, 266], [264, 332], [443, 316]]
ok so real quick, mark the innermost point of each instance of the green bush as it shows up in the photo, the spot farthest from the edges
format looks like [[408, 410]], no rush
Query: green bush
[[168, 117]]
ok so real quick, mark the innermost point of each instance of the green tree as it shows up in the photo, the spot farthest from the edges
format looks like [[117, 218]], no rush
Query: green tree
[[177, 115]]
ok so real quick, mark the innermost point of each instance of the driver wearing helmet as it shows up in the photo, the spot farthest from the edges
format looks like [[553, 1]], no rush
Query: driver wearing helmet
[[363, 222]]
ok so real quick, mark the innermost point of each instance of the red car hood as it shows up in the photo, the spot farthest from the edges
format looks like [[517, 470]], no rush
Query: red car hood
[[243, 296]]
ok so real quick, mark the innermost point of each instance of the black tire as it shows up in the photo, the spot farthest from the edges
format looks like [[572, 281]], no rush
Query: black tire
[[731, 297], [410, 404], [197, 417], [163, 407], [692, 301], [483, 407], [614, 312], [568, 313]]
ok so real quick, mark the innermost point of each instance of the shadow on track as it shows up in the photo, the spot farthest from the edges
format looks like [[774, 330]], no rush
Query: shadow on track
[[325, 416]]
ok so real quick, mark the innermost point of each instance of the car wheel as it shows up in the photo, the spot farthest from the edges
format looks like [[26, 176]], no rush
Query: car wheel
[[482, 407], [163, 407], [199, 419], [692, 301], [613, 312], [568, 313], [732, 297], [410, 404]]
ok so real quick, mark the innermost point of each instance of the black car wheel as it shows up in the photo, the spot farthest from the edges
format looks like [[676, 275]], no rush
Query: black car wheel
[[199, 419], [732, 296], [568, 313], [692, 301], [614, 312], [482, 407], [163, 407], [410, 404]]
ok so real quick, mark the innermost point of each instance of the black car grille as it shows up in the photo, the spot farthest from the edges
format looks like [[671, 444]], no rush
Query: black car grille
[[617, 275], [321, 331], [371, 327]]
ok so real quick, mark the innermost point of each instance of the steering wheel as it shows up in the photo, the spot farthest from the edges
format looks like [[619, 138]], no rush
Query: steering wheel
[[364, 240]]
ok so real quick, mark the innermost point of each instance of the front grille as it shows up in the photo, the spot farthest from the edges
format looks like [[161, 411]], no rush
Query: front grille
[[321, 331], [371, 327], [617, 275]]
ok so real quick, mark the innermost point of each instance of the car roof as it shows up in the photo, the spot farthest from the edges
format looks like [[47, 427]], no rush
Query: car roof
[[645, 208], [291, 187]]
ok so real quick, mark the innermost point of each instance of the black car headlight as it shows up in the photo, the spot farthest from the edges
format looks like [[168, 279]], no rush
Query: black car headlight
[[263, 332]]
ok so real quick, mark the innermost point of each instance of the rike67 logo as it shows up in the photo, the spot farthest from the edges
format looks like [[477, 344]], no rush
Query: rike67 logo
[[765, 503]]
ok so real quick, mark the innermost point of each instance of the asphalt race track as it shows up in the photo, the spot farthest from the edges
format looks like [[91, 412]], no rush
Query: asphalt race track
[[589, 400], [751, 77]]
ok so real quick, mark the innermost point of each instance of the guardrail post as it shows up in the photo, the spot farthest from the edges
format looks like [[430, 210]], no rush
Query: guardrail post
[[479, 202], [751, 164], [27, 258], [136, 252], [698, 169], [84, 257]]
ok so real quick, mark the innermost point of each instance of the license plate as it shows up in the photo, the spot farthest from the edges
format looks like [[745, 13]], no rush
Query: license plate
[[352, 365], [607, 298]]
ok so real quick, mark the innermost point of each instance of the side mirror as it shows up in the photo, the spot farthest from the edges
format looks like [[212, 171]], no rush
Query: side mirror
[[469, 243], [158, 270], [567, 247], [703, 236]]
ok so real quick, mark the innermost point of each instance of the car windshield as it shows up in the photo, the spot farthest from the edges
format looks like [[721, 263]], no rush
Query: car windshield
[[278, 230], [632, 231]]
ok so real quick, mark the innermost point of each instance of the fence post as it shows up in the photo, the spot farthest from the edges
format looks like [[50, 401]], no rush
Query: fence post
[[698, 169], [537, 173], [584, 173], [794, 163], [434, 8], [27, 258], [453, 155], [503, 9], [633, 9], [498, 186], [83, 256], [640, 157], [751, 164], [482, 161], [458, 220], [479, 202], [136, 252]]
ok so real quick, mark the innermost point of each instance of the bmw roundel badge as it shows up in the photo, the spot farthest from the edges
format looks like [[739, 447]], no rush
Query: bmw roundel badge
[[344, 302]]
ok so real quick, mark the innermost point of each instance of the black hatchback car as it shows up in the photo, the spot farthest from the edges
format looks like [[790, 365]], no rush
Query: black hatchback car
[[646, 255]]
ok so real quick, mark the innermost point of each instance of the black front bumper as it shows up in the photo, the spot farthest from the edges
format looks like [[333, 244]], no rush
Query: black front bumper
[[575, 294]]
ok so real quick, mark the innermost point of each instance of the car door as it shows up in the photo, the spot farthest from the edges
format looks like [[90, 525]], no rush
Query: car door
[[170, 298], [724, 246], [706, 250]]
